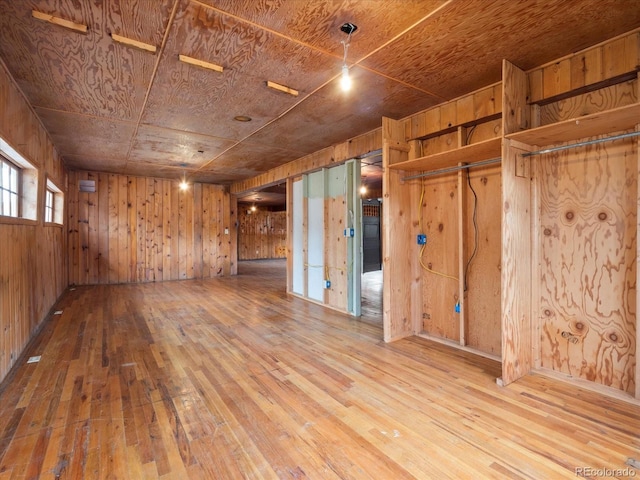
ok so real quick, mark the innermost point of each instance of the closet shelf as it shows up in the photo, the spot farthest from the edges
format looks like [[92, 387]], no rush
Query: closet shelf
[[470, 154], [601, 123]]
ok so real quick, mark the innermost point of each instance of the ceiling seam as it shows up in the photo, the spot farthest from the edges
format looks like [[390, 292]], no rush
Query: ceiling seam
[[414, 25], [267, 29], [82, 114], [151, 81]]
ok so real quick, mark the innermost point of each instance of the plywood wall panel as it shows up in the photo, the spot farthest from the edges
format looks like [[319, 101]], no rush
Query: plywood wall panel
[[517, 358], [588, 220], [139, 229], [335, 243], [401, 290], [440, 256], [599, 100], [483, 330]]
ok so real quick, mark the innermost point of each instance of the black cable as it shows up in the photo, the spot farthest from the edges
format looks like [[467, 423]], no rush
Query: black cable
[[475, 228]]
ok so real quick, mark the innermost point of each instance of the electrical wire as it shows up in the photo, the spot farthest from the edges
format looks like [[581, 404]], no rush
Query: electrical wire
[[440, 274], [475, 229]]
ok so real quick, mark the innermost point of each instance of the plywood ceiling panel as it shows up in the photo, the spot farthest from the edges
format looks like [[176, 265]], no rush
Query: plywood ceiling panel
[[116, 108], [248, 159], [175, 148], [84, 73], [317, 23], [204, 101], [87, 137], [323, 119], [461, 47]]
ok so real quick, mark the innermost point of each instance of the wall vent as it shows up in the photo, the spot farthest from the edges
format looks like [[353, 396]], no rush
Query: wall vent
[[87, 186]]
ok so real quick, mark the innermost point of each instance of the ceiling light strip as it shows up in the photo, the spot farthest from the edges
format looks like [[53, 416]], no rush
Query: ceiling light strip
[[200, 63], [133, 43], [78, 27], [282, 88]]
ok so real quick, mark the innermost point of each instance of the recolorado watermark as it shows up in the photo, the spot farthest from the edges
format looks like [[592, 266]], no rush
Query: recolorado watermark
[[592, 472]]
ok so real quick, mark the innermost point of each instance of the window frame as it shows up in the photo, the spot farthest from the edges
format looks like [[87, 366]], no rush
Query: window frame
[[28, 187], [57, 204], [49, 205], [13, 195]]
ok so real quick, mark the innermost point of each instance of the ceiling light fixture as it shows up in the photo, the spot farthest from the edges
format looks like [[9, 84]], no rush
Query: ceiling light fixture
[[78, 27], [133, 43], [345, 80], [200, 63], [242, 118], [282, 88], [183, 184]]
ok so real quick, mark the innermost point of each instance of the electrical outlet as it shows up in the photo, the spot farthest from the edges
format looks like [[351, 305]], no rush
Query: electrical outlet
[[421, 239]]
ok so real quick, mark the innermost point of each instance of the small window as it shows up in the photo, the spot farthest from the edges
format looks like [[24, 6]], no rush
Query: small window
[[9, 184], [53, 204], [48, 206], [18, 186]]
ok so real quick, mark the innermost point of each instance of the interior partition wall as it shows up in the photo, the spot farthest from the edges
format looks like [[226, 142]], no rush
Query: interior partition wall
[[325, 244]]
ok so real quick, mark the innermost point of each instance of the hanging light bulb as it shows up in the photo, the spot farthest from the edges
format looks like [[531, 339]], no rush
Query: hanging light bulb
[[345, 80]]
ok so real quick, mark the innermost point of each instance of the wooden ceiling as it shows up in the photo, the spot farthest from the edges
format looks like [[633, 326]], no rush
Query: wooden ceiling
[[114, 108]]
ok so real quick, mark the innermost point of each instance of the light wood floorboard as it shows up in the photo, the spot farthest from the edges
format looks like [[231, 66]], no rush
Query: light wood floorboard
[[231, 378]]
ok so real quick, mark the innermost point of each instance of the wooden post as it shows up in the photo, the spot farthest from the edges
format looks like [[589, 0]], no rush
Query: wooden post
[[402, 299], [516, 233], [462, 257]]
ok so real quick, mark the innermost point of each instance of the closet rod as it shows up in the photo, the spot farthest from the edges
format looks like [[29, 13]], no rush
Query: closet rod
[[580, 144], [454, 169]]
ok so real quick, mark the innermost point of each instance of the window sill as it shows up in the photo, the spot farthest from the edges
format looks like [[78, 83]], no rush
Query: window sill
[[17, 221]]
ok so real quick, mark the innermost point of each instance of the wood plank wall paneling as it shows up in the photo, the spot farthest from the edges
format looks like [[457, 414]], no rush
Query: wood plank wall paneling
[[588, 220], [33, 269], [135, 229], [588, 67], [328, 157], [474, 107], [262, 234]]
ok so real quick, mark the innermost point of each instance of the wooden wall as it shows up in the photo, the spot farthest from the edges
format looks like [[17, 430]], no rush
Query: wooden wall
[[136, 229], [262, 234], [553, 286], [33, 270], [325, 158], [588, 249], [588, 220], [446, 217]]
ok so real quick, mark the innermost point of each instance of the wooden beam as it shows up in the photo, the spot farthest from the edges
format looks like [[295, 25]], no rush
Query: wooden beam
[[282, 88], [200, 63], [133, 43], [78, 27]]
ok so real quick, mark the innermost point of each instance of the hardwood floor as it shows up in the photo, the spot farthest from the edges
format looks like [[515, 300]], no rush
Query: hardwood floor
[[231, 378]]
